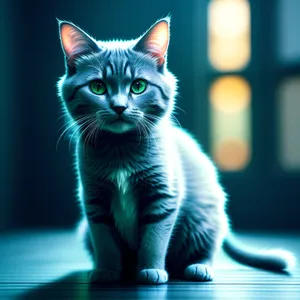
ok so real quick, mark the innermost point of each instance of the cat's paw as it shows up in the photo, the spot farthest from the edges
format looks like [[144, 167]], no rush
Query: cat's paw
[[198, 272], [105, 276], [152, 276]]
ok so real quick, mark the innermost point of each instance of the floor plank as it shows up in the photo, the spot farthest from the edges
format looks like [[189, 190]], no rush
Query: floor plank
[[53, 265]]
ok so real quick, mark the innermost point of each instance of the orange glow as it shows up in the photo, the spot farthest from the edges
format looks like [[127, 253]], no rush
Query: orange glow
[[230, 117], [230, 94], [229, 34], [231, 154]]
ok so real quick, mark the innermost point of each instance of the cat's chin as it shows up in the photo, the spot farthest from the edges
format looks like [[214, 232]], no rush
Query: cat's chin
[[119, 127]]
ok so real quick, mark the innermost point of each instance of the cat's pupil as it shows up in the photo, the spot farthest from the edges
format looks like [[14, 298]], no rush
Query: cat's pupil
[[98, 87]]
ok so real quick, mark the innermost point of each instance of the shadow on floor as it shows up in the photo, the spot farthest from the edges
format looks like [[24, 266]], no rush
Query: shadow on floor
[[76, 286]]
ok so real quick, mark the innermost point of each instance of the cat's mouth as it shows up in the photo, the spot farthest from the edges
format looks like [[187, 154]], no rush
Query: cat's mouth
[[119, 120], [119, 125]]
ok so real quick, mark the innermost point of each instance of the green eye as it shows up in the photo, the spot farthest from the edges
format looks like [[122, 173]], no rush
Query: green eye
[[138, 86], [98, 87]]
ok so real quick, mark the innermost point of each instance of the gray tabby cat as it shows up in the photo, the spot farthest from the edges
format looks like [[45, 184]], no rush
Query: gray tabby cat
[[151, 201]]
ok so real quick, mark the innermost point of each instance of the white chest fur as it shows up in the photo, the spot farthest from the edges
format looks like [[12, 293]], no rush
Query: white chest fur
[[124, 206]]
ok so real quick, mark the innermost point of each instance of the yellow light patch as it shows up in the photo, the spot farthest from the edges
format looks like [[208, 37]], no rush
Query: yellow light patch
[[229, 34], [230, 119]]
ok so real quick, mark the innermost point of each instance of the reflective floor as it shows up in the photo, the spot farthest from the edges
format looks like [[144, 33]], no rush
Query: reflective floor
[[53, 265]]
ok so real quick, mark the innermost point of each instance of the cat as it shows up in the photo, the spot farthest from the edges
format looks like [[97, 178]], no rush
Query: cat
[[152, 204]]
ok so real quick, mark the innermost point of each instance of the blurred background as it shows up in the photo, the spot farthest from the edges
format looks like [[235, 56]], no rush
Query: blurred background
[[238, 65]]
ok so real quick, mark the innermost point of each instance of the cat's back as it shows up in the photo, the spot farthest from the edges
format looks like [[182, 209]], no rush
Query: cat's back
[[190, 150]]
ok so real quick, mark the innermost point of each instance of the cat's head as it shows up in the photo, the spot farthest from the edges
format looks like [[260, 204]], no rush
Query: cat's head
[[117, 86]]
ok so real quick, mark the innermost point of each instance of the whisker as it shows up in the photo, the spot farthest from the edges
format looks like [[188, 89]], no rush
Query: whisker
[[71, 125], [95, 130], [148, 129], [78, 129], [86, 138], [90, 135], [139, 132], [65, 114], [173, 118], [177, 107]]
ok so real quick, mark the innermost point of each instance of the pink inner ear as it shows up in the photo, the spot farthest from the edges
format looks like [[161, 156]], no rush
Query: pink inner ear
[[72, 39], [157, 40]]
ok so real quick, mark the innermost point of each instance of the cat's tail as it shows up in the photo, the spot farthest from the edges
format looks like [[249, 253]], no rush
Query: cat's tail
[[274, 259]]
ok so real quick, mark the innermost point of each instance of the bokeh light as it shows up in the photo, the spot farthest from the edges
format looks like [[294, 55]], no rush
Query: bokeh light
[[229, 34], [230, 98], [289, 116], [230, 93], [231, 154]]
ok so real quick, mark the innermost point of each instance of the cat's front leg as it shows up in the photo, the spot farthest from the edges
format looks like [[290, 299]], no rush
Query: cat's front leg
[[107, 255], [156, 231]]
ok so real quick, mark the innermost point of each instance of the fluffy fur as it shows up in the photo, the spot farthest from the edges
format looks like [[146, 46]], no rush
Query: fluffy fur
[[151, 201]]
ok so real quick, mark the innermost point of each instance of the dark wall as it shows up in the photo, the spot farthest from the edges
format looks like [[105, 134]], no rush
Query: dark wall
[[37, 181], [5, 115]]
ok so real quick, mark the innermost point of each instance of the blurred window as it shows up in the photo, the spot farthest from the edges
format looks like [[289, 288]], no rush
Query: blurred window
[[230, 122], [288, 97], [230, 95], [289, 123], [229, 34], [288, 30]]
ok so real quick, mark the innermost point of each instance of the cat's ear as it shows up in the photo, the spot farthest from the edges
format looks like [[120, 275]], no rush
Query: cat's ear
[[156, 41], [75, 41]]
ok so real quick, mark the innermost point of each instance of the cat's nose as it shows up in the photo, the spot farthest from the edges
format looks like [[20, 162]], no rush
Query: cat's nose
[[119, 109]]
